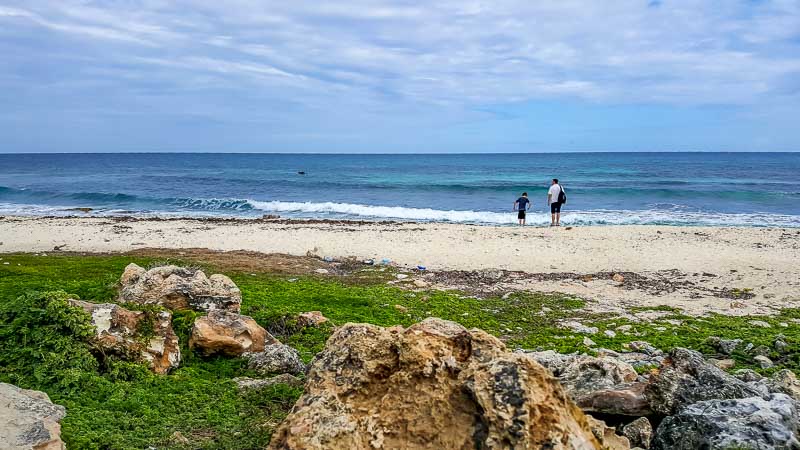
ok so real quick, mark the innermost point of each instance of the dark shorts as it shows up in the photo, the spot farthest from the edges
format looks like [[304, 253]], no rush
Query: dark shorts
[[521, 215], [555, 208]]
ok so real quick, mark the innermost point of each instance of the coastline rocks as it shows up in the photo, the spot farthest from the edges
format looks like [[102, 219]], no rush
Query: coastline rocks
[[763, 361], [752, 423], [29, 420], [227, 333], [724, 346], [578, 327], [277, 358], [607, 436], [256, 384], [785, 382], [432, 385], [311, 319], [135, 335], [179, 288], [639, 432], [685, 378]]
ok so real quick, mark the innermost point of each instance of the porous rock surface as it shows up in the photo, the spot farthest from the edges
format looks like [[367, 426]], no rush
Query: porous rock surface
[[276, 358], [751, 423], [179, 288], [29, 420], [432, 385], [228, 333], [134, 335]]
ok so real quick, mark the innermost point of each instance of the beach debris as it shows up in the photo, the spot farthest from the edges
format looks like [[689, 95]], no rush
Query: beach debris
[[752, 422], [401, 276], [311, 319], [321, 271], [57, 248], [256, 384], [466, 376], [229, 334], [29, 420], [277, 358], [369, 262], [179, 288], [327, 258], [421, 268], [386, 261], [140, 336]]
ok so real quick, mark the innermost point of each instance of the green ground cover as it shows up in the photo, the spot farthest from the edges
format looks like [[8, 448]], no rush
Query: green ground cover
[[117, 405]]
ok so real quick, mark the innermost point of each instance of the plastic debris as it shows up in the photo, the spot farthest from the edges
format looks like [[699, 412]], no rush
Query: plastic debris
[[421, 268]]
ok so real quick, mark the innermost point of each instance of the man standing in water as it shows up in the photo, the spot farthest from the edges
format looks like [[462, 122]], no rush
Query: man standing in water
[[521, 205], [554, 196]]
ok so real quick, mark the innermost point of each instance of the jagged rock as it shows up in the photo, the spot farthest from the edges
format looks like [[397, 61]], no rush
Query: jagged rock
[[29, 420], [278, 358], [751, 423], [761, 350], [432, 385], [747, 375], [311, 319], [760, 323], [724, 346], [588, 342], [136, 335], [786, 382], [255, 384], [643, 347], [724, 364], [553, 361], [227, 333], [578, 327], [179, 288], [639, 432], [685, 378], [763, 361], [780, 345], [607, 436], [604, 385]]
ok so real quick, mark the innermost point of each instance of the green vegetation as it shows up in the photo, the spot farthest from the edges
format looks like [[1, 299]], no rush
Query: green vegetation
[[44, 345]]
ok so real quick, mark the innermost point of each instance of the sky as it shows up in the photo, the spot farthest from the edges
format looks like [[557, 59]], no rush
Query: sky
[[399, 76]]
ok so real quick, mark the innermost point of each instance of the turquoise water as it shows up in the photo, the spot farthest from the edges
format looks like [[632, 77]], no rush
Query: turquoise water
[[753, 189]]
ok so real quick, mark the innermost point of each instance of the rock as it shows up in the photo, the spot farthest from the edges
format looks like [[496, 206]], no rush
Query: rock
[[433, 385], [321, 271], [227, 333], [401, 276], [588, 342], [685, 378], [401, 308], [644, 347], [579, 327], [420, 284], [639, 432], [724, 346], [278, 358], [624, 328], [762, 350], [179, 288], [759, 323], [311, 319], [763, 361], [29, 420], [785, 382], [604, 385], [751, 423], [553, 361], [141, 336], [780, 345], [610, 333], [618, 278], [256, 384], [724, 364], [747, 375], [607, 436]]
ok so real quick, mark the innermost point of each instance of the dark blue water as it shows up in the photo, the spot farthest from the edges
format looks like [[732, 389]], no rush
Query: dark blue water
[[757, 189]]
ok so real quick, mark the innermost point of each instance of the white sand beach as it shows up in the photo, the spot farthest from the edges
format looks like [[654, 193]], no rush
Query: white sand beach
[[698, 269]]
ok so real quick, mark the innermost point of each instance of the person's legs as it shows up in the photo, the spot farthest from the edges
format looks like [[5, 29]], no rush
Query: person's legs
[[558, 219], [552, 214]]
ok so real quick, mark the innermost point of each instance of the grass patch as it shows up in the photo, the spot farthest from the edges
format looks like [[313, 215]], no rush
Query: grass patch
[[118, 405]]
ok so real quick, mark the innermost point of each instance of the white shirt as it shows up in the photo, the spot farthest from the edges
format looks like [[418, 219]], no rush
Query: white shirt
[[553, 193]]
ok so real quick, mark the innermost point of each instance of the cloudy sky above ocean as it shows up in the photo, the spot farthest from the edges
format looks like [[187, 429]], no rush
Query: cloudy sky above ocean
[[373, 76]]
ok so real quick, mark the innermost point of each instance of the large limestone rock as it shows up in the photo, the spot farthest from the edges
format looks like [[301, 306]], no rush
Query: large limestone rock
[[685, 378], [179, 288], [751, 423], [434, 385], [29, 420], [137, 335], [227, 333]]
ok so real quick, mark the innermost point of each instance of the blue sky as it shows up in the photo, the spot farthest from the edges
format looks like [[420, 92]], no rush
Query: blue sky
[[400, 76]]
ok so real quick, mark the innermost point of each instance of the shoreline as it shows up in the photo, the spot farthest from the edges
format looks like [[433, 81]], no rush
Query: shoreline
[[728, 270]]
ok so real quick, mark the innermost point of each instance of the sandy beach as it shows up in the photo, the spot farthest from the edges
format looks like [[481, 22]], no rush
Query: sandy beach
[[698, 269]]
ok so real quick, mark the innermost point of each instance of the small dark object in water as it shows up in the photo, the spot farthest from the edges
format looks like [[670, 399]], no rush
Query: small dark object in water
[[301, 173], [270, 217]]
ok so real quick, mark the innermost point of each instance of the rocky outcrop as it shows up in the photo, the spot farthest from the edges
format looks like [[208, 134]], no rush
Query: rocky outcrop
[[277, 358], [639, 432], [432, 385], [785, 382], [751, 423], [29, 420], [179, 288], [685, 378], [227, 333], [134, 335], [257, 384]]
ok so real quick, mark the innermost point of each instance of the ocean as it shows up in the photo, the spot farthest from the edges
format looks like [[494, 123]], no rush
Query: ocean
[[718, 189]]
